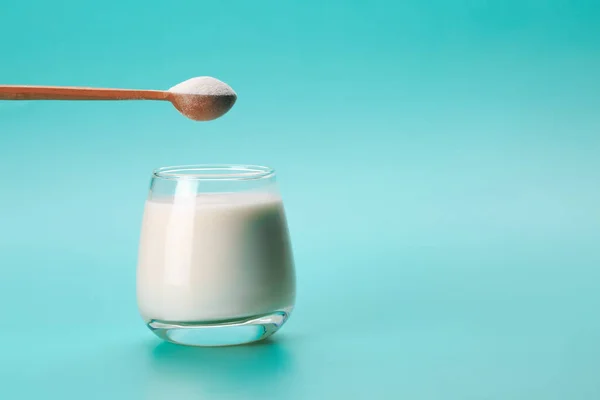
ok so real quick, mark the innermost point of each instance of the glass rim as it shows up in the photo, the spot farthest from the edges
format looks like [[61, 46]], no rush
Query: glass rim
[[214, 172]]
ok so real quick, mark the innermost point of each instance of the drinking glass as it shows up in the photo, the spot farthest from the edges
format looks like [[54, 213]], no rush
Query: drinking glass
[[215, 263]]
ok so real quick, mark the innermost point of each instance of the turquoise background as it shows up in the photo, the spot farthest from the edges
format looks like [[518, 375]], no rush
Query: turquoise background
[[440, 165]]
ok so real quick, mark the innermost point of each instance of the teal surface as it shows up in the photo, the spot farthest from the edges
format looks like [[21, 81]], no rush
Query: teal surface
[[440, 165]]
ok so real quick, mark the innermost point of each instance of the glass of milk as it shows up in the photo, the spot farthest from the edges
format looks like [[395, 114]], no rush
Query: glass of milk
[[215, 262]]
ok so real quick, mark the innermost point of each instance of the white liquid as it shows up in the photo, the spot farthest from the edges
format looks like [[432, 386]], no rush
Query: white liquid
[[213, 257]]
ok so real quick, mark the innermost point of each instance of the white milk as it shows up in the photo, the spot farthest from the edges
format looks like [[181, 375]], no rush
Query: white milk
[[212, 257]]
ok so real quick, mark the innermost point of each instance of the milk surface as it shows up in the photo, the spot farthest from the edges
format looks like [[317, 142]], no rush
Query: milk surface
[[213, 257]]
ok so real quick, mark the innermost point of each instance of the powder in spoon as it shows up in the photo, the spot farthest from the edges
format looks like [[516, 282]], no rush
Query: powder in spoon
[[204, 86], [203, 98]]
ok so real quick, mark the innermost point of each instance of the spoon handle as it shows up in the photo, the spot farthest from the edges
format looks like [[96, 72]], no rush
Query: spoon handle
[[17, 92]]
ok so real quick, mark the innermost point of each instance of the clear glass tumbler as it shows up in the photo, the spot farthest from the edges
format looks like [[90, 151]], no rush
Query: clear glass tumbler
[[215, 262]]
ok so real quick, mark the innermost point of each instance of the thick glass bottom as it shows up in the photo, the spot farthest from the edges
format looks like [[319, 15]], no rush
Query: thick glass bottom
[[220, 333]]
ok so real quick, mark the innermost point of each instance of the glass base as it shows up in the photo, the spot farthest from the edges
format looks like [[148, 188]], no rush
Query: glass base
[[220, 333]]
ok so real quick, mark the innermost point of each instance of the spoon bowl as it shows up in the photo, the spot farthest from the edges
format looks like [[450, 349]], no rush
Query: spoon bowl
[[202, 107]]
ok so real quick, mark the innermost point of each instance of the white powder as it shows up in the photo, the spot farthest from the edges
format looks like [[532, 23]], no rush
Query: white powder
[[205, 86]]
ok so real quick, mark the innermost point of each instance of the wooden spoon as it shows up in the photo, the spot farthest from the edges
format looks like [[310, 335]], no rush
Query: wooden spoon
[[201, 99]]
